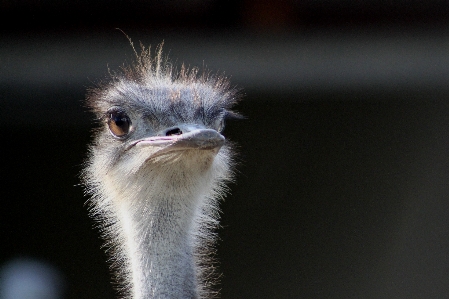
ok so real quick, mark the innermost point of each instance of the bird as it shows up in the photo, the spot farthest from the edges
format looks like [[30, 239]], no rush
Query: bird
[[156, 171]]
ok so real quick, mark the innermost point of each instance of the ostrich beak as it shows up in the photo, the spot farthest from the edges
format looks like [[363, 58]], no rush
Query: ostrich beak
[[197, 139], [202, 139]]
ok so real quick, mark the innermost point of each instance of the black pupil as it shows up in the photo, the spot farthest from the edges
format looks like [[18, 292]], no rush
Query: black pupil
[[119, 120]]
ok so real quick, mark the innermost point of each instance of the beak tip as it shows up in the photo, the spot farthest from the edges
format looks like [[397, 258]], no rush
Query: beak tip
[[207, 139]]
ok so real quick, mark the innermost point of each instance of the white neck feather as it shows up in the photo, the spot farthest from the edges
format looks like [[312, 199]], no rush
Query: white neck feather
[[157, 217]]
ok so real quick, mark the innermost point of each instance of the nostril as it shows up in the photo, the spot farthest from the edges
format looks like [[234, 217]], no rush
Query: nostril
[[175, 131]]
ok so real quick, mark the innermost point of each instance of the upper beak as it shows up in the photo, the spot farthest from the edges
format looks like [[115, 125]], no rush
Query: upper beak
[[200, 139]]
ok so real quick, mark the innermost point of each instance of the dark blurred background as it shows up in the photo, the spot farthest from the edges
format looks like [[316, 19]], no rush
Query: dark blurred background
[[341, 189]]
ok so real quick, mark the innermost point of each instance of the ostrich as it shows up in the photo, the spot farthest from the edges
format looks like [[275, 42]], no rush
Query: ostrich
[[155, 172]]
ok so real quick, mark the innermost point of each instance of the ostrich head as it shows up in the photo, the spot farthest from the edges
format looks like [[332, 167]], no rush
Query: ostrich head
[[156, 169]]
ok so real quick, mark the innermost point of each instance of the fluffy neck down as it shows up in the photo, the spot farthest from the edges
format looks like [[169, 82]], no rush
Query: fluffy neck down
[[158, 220]]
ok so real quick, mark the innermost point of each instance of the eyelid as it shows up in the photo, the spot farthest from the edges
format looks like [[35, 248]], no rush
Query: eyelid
[[231, 115], [112, 109]]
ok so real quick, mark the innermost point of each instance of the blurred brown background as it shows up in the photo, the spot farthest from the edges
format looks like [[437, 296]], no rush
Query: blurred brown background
[[342, 187]]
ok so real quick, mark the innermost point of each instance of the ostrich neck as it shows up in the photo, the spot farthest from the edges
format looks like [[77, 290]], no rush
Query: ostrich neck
[[158, 224]]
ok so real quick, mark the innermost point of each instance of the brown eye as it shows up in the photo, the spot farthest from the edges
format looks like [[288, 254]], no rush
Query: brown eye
[[119, 123]]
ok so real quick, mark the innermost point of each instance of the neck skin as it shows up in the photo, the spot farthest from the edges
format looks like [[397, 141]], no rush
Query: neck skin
[[159, 244], [157, 218]]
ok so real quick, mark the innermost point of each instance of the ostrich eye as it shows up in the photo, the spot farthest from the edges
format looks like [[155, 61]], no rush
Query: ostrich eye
[[119, 122], [221, 125]]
